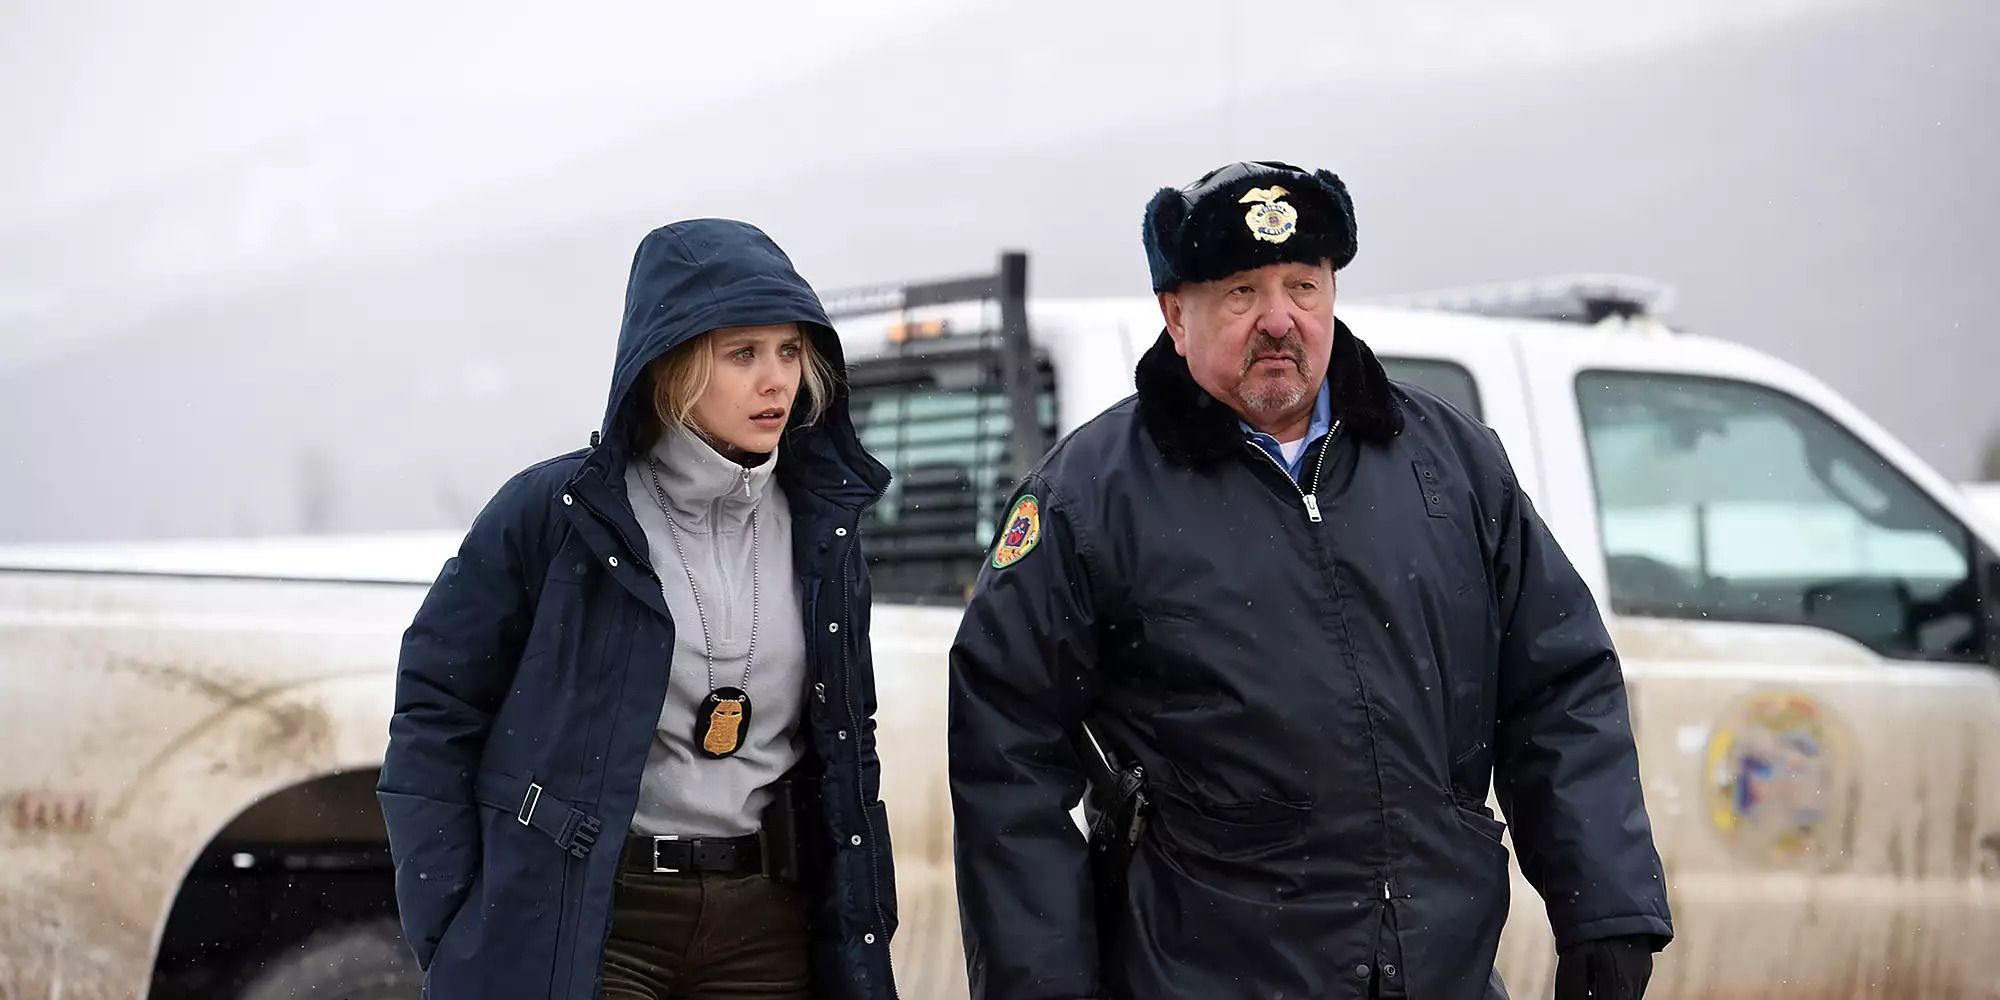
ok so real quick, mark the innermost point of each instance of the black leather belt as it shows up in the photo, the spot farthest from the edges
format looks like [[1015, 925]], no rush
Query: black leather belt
[[692, 856]]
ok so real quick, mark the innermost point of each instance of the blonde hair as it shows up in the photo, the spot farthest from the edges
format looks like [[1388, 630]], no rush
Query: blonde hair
[[679, 377]]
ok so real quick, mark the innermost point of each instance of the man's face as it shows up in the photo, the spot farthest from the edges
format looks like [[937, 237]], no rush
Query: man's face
[[1258, 340]]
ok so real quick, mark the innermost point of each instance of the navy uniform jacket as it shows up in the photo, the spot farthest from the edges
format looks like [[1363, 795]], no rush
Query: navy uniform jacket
[[1319, 706]]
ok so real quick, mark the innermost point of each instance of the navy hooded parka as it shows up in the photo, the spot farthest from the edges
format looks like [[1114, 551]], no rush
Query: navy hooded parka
[[531, 680]]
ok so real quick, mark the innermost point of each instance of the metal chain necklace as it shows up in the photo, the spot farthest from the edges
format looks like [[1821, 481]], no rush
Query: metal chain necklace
[[723, 718]]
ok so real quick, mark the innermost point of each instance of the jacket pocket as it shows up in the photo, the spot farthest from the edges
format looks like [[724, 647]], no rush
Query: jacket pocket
[[460, 921], [1483, 822], [437, 854], [885, 866], [536, 838], [1471, 767], [1236, 831]]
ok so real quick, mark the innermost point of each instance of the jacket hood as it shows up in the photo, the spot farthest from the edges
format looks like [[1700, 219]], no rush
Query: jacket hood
[[705, 274]]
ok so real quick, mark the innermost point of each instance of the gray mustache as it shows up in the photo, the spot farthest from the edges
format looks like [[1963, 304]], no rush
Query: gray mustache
[[1290, 347]]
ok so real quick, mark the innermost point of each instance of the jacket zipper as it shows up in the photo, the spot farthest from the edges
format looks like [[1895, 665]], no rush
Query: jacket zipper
[[562, 916], [1309, 498], [724, 586], [1312, 510], [615, 529], [724, 591], [854, 727]]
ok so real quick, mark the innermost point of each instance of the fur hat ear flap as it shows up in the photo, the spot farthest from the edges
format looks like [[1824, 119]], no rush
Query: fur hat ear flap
[[1337, 193], [1166, 214]]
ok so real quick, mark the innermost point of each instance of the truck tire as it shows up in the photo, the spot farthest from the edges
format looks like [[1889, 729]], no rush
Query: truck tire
[[357, 962]]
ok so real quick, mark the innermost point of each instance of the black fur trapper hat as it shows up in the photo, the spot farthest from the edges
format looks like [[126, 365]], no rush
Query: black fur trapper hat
[[1244, 216]]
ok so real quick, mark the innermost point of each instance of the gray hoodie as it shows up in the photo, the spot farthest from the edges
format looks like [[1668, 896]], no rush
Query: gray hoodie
[[683, 791]]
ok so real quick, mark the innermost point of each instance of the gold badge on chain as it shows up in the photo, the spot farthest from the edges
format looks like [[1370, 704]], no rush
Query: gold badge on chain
[[720, 723]]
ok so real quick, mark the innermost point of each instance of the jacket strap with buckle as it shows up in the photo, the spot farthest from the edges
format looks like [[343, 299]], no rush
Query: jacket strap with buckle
[[573, 829]]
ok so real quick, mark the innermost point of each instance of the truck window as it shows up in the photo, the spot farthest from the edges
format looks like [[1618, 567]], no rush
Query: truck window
[[941, 425], [1720, 500], [1446, 379]]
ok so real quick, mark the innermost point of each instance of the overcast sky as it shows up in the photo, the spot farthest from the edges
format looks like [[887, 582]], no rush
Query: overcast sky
[[102, 97]]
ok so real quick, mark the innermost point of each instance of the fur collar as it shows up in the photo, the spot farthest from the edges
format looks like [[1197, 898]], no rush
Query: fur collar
[[1194, 429]]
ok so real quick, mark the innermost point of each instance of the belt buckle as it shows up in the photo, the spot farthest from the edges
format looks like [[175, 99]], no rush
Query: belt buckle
[[658, 868]]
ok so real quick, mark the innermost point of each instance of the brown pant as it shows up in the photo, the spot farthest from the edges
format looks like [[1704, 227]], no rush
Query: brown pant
[[717, 937]]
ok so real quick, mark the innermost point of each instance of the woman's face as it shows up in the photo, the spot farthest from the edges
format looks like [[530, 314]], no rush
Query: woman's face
[[751, 387]]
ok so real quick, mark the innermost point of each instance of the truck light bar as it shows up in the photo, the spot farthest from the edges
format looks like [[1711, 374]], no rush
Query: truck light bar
[[1581, 298]]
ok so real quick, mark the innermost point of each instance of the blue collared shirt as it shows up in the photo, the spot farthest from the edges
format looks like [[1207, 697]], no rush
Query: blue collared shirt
[[1322, 421]]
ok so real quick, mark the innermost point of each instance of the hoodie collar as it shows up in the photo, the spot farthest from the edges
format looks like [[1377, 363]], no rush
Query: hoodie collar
[[708, 492]]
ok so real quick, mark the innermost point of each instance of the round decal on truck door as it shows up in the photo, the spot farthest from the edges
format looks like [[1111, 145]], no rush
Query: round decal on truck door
[[1776, 771]]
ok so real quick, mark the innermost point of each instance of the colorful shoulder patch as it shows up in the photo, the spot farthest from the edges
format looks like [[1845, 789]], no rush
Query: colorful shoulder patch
[[1024, 529]]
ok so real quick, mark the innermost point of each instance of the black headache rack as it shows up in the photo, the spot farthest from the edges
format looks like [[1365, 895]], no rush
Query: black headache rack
[[958, 411]]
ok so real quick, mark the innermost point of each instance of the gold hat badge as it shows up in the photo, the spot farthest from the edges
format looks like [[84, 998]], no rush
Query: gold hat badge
[[1269, 219]]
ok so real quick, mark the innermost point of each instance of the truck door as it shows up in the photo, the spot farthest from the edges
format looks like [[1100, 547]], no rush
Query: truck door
[[1805, 622], [1475, 372]]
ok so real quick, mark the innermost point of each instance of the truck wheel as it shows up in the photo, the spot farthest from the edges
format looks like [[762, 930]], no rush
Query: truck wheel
[[357, 962]]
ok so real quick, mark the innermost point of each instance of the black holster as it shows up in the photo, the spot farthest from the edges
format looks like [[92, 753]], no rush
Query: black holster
[[793, 810], [1117, 808]]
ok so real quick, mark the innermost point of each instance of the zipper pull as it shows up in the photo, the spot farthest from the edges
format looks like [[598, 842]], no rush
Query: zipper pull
[[1312, 507], [746, 484], [1385, 890]]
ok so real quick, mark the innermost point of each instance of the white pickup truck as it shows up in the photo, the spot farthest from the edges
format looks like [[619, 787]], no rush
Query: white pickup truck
[[1809, 618], [1985, 498]]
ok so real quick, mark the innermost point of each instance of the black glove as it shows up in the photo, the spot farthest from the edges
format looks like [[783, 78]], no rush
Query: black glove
[[1607, 969]]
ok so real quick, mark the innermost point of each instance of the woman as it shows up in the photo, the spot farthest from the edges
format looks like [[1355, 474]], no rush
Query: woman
[[633, 744]]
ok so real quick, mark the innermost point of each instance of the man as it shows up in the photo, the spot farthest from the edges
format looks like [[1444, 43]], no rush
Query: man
[[1317, 614]]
